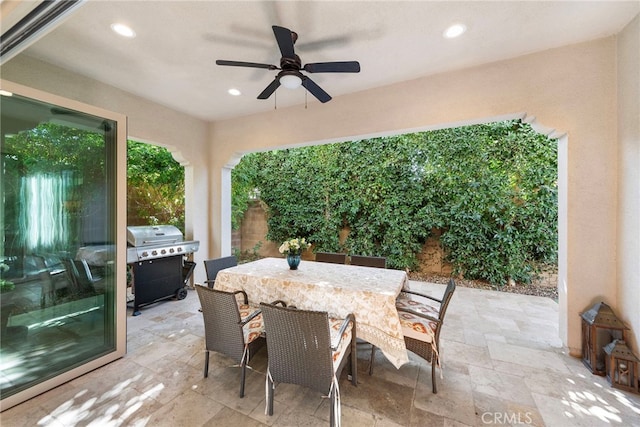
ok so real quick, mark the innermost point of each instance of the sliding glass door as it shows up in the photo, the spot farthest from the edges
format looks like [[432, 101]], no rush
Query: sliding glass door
[[59, 236]]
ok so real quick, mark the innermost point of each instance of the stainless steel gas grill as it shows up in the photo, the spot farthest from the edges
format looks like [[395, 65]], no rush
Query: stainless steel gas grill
[[157, 256]]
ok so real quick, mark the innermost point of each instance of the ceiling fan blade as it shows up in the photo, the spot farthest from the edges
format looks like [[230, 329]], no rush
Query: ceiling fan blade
[[333, 67], [246, 64], [315, 90], [266, 93], [285, 41]]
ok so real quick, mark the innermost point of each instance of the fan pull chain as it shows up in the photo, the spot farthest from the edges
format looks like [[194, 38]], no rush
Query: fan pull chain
[[275, 100], [305, 99]]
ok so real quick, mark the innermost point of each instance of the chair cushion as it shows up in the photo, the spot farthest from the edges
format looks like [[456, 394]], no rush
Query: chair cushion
[[338, 354], [414, 326], [409, 301], [253, 329]]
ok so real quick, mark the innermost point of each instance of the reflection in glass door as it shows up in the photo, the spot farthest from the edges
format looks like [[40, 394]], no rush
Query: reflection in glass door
[[58, 234]]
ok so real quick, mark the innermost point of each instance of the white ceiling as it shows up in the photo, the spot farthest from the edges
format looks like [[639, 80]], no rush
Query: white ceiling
[[172, 59]]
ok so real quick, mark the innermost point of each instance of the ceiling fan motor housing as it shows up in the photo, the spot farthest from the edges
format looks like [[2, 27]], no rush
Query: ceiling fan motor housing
[[290, 67], [287, 64]]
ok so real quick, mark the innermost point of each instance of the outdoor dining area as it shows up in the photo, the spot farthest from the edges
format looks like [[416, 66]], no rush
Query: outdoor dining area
[[329, 345]]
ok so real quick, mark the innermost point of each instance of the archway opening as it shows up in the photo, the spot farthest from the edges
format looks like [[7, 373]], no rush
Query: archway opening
[[474, 187], [155, 186]]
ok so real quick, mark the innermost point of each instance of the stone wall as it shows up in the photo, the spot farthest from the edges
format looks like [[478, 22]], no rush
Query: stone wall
[[254, 229], [432, 257]]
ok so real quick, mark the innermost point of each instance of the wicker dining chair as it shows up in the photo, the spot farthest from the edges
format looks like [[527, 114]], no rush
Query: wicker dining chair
[[418, 317], [213, 266], [332, 257], [310, 349], [369, 261], [233, 328]]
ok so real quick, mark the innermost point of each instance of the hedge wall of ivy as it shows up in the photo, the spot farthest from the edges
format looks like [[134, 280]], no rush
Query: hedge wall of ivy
[[491, 189]]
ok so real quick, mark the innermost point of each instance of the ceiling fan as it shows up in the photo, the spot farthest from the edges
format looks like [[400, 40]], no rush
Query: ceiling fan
[[290, 74]]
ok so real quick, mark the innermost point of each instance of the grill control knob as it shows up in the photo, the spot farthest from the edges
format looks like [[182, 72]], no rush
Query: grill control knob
[[171, 250], [144, 254], [164, 251], [179, 249], [154, 253]]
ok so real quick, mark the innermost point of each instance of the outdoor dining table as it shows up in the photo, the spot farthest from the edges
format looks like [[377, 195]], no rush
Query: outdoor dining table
[[367, 292]]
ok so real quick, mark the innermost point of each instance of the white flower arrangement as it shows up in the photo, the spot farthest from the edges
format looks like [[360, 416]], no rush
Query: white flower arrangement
[[294, 246]]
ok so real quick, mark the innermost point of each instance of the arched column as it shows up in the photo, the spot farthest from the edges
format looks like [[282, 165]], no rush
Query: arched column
[[563, 222], [224, 224]]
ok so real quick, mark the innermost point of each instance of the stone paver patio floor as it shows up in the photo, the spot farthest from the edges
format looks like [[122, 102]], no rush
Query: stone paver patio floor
[[503, 364]]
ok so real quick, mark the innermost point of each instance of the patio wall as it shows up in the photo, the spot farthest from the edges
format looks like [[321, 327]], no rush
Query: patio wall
[[628, 230], [588, 92], [254, 229], [568, 93]]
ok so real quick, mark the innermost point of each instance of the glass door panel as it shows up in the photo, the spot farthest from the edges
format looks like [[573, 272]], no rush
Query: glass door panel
[[57, 241]]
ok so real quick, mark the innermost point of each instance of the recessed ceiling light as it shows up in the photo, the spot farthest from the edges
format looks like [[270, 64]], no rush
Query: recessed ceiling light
[[234, 92], [454, 31], [123, 30]]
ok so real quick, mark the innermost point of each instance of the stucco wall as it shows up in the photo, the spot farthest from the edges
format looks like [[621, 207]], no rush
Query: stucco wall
[[571, 89], [629, 178]]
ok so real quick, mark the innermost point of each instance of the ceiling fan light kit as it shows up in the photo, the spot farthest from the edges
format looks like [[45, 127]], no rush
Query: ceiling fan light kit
[[290, 81], [290, 75]]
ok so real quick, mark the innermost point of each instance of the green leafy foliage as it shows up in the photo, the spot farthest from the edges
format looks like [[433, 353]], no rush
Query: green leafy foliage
[[248, 255], [152, 164], [243, 190], [51, 148], [491, 189], [72, 160], [155, 186]]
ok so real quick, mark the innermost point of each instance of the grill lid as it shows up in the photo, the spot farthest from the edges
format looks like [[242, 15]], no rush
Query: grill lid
[[149, 235]]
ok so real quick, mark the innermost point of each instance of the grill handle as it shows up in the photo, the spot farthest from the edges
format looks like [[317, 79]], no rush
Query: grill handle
[[159, 241]]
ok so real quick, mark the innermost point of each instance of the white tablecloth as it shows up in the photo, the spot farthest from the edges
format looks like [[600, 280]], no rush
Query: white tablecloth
[[369, 293]]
